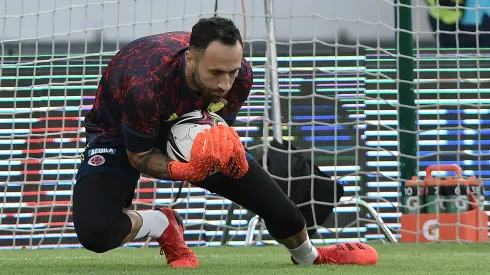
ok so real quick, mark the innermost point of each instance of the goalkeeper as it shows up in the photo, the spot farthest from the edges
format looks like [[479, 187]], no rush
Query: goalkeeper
[[150, 82]]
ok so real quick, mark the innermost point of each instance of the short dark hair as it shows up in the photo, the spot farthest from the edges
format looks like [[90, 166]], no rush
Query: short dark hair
[[207, 30]]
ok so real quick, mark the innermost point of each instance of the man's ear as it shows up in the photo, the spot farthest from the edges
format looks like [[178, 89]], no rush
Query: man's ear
[[190, 59]]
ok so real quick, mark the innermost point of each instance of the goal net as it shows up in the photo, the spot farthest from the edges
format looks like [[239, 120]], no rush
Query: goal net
[[332, 78]]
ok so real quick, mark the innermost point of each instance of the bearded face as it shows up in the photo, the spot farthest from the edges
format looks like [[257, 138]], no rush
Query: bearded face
[[214, 69]]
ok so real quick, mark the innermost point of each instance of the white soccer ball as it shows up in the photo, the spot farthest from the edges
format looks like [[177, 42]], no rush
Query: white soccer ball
[[184, 131]]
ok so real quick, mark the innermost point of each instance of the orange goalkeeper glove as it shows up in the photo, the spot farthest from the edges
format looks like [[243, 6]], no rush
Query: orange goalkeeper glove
[[233, 161], [204, 159]]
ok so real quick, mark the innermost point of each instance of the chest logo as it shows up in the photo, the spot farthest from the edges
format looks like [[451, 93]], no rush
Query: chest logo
[[214, 107], [174, 116]]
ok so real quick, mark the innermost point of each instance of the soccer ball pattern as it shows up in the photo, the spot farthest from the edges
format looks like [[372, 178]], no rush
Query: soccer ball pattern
[[185, 130]]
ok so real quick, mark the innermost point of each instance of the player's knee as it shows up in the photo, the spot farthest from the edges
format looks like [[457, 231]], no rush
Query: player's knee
[[97, 247], [94, 235]]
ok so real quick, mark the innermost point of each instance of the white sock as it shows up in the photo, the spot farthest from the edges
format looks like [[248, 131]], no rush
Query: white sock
[[305, 253], [154, 223]]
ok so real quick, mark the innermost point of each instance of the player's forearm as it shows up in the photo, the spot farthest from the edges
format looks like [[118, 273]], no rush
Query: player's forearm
[[153, 163]]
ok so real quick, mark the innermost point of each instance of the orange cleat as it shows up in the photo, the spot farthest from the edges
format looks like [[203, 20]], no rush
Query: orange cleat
[[172, 242], [346, 254]]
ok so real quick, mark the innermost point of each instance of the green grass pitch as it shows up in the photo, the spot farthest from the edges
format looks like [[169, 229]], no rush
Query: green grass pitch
[[393, 259]]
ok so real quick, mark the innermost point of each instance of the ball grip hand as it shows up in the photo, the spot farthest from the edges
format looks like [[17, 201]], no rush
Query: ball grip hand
[[233, 162], [204, 160]]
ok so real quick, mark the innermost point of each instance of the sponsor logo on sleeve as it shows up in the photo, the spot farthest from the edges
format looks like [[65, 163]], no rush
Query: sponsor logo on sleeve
[[96, 151]]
